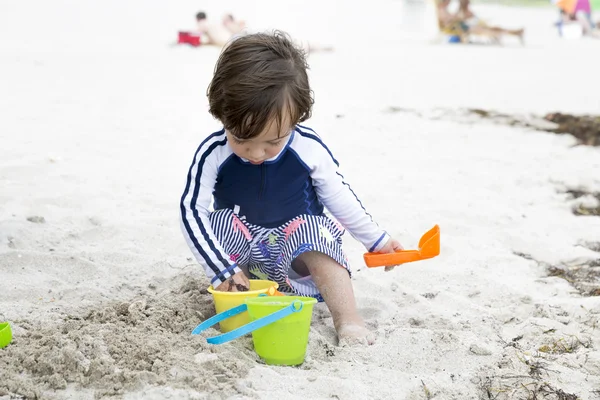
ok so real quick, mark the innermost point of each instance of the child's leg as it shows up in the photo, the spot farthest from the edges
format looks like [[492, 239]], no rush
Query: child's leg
[[308, 260], [334, 283]]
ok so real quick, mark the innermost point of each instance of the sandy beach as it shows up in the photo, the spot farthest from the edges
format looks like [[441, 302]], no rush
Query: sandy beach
[[99, 120]]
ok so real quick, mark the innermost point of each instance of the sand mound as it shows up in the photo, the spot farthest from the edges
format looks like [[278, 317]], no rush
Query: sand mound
[[122, 347]]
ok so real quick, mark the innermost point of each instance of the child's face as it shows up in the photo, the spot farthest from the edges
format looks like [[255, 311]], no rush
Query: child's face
[[262, 147]]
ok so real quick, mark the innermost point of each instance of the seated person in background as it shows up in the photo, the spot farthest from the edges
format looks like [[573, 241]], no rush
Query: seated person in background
[[579, 15], [449, 23], [472, 24], [229, 28], [235, 27], [218, 34]]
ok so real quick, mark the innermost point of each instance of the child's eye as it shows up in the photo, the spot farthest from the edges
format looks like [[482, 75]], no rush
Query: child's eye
[[277, 143]]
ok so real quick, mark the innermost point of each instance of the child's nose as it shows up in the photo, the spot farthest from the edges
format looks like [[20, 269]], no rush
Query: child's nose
[[255, 153]]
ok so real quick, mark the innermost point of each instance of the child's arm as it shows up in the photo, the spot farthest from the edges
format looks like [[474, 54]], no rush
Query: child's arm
[[195, 224], [337, 196]]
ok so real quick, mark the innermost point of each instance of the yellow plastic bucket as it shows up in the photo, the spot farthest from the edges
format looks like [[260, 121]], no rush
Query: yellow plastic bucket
[[284, 341], [227, 300]]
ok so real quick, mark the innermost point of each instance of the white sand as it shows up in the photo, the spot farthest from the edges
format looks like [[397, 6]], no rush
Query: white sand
[[99, 119]]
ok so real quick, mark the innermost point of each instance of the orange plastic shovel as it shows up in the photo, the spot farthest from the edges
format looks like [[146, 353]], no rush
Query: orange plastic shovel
[[429, 247]]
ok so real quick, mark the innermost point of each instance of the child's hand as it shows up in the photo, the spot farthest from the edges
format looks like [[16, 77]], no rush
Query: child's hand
[[391, 246], [237, 283]]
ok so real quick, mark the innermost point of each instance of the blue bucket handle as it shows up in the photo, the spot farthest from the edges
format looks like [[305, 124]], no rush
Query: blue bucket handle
[[294, 307], [215, 319]]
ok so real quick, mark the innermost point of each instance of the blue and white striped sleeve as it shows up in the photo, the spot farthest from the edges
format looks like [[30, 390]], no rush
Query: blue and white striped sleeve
[[194, 208], [336, 194]]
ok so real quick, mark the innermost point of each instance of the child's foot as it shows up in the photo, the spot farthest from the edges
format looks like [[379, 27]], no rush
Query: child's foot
[[353, 332]]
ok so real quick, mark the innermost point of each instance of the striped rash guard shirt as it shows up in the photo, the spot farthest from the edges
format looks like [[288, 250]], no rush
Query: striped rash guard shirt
[[302, 179]]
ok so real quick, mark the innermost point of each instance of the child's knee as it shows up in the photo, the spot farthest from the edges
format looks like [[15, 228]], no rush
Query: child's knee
[[316, 258]]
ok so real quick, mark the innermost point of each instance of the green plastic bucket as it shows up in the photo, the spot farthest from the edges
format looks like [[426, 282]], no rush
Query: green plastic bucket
[[284, 341], [5, 334], [279, 327]]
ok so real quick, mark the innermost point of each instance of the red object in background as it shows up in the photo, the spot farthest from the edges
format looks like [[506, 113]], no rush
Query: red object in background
[[190, 38]]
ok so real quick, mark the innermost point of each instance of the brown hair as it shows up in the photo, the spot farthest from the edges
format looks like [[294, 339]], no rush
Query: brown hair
[[258, 78]]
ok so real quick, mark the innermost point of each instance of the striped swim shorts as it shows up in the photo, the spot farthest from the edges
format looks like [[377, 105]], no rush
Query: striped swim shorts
[[268, 253]]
